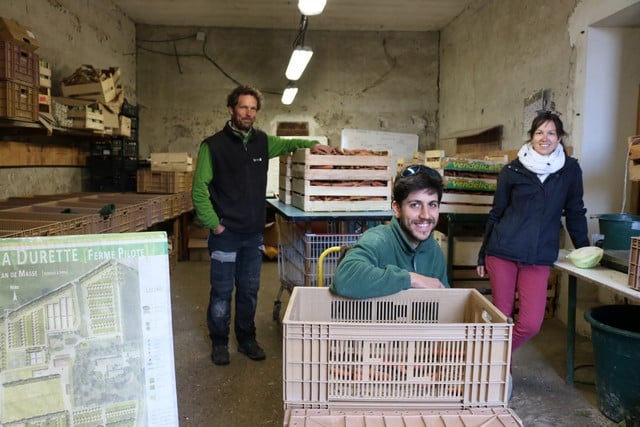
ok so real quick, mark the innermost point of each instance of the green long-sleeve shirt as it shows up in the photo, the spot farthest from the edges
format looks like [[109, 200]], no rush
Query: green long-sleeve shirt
[[204, 174]]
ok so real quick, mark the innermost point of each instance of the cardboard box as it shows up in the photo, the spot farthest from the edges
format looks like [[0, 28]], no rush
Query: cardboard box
[[11, 30]]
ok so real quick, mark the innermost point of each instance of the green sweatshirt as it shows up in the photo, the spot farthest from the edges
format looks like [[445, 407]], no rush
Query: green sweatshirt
[[204, 174], [380, 261]]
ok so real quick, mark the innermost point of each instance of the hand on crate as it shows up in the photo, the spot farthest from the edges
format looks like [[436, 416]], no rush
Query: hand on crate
[[419, 281]]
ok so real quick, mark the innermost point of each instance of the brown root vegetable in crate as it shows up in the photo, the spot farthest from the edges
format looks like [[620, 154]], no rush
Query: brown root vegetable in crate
[[313, 166], [348, 183], [345, 198], [361, 152]]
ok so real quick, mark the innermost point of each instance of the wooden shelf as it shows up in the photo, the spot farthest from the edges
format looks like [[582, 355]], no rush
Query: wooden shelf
[[29, 144]]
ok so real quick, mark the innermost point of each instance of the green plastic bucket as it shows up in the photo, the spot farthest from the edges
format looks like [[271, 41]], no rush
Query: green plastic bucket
[[615, 335], [618, 229]]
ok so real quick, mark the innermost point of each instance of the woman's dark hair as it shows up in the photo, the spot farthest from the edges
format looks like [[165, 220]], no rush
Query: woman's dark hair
[[546, 116], [416, 178], [232, 99]]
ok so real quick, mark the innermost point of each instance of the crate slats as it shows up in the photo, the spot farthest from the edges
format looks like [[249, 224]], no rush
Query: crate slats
[[486, 417]]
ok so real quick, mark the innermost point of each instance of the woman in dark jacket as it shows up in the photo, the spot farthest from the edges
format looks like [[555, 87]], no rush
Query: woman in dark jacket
[[522, 235]]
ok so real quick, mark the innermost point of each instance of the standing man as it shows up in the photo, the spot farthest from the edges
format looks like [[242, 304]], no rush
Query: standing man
[[403, 253], [229, 188]]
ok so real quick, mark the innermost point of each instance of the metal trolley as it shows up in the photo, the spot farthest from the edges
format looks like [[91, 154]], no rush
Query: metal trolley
[[299, 255]]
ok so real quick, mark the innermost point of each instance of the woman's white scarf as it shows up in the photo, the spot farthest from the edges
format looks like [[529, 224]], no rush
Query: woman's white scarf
[[539, 164]]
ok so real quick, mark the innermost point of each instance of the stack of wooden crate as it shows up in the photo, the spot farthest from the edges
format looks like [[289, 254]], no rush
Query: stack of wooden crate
[[358, 180], [169, 173], [469, 183], [19, 72]]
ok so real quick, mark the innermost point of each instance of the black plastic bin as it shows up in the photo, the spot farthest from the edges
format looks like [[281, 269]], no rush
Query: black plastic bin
[[615, 334]]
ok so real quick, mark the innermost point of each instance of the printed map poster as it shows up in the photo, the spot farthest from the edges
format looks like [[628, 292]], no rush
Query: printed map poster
[[85, 331]]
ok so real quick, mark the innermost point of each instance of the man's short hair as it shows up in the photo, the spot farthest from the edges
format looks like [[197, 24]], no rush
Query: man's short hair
[[232, 98], [417, 178]]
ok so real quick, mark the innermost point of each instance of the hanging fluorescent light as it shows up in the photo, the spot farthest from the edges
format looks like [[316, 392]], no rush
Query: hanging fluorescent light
[[300, 57], [311, 7], [289, 95]]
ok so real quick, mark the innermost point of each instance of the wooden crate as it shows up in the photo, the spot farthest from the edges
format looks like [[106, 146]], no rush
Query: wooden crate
[[170, 162], [284, 179], [18, 64], [12, 30], [163, 182], [87, 123], [284, 189], [634, 157], [103, 91], [339, 182], [453, 202], [431, 158], [18, 101], [44, 100], [44, 72], [469, 184]]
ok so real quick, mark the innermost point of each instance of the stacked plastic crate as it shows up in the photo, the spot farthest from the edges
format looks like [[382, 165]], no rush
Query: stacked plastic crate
[[114, 161], [414, 357], [19, 72]]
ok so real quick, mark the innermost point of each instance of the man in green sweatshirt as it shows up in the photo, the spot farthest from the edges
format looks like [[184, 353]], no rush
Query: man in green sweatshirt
[[229, 188], [403, 253]]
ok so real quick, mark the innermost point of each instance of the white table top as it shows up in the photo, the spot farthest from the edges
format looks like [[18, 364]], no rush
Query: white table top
[[613, 280]]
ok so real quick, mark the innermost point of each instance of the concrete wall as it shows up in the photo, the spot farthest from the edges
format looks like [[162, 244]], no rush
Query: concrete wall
[[363, 80], [496, 54], [70, 33]]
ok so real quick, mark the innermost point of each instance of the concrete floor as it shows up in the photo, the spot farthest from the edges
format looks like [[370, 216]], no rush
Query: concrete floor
[[249, 394]]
